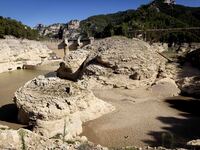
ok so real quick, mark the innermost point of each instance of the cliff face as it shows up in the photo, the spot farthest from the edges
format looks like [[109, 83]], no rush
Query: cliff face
[[14, 53], [51, 30], [59, 29]]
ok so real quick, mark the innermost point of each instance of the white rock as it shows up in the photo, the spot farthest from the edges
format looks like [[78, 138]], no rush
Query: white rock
[[52, 105], [15, 53], [118, 58]]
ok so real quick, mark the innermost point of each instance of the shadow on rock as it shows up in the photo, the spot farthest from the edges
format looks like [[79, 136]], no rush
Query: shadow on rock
[[178, 130], [50, 74], [9, 113]]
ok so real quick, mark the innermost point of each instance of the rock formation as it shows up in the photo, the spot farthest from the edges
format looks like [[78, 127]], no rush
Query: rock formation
[[190, 86], [120, 62], [73, 25], [51, 30], [18, 52], [52, 104], [65, 72], [194, 143], [25, 139], [55, 107], [69, 30]]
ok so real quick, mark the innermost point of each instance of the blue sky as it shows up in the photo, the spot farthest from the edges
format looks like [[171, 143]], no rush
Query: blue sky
[[32, 12]]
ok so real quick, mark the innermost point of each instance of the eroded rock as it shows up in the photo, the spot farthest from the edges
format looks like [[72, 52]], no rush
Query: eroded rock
[[18, 52], [25, 139], [119, 59], [190, 86], [52, 104], [166, 84], [194, 143]]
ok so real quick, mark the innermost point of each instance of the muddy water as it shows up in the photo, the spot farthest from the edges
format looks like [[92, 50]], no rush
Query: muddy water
[[9, 83]]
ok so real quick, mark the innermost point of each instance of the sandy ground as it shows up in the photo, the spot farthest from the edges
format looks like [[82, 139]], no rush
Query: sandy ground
[[147, 117], [141, 118]]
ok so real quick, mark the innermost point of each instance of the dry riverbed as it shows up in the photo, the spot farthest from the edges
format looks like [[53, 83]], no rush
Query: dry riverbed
[[153, 115], [143, 118]]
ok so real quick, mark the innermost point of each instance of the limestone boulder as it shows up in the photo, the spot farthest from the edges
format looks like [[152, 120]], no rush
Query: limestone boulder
[[25, 139], [76, 58], [194, 143], [128, 60], [3, 127], [190, 86], [53, 105], [14, 53], [127, 56], [166, 84], [160, 47]]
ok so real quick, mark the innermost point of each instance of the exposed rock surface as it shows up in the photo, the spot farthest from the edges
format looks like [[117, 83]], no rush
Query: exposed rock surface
[[52, 104], [160, 47], [195, 143], [2, 127], [25, 139], [14, 53], [51, 30], [166, 84], [178, 48], [69, 30], [121, 62], [190, 83], [190, 86]]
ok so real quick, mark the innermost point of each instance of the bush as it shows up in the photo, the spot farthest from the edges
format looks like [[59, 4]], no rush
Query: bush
[[12, 27]]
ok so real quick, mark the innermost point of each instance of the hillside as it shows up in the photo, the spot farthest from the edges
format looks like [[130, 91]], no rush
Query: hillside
[[58, 30], [15, 28], [155, 15]]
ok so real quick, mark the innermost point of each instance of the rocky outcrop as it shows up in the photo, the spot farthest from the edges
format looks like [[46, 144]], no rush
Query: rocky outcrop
[[190, 86], [166, 84], [14, 53], [25, 139], [194, 143], [52, 105], [73, 25], [51, 30], [58, 30], [120, 62], [3, 127], [160, 47]]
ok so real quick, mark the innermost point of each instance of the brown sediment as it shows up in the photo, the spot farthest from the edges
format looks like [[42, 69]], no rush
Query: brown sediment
[[141, 118]]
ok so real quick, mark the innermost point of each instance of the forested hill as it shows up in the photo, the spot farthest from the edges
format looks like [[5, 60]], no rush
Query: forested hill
[[155, 15], [15, 28]]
